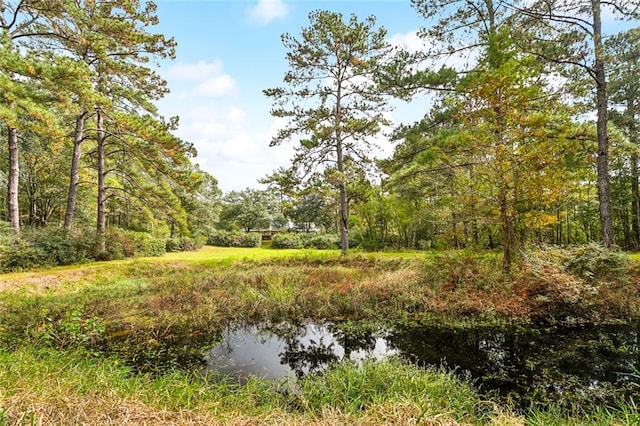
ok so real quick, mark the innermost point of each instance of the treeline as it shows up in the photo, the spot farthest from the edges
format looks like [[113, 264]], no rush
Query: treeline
[[532, 137], [85, 147]]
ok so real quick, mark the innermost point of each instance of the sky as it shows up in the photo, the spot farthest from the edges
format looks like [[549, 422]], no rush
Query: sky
[[227, 53]]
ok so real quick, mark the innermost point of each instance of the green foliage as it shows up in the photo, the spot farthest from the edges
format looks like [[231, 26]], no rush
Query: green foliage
[[53, 246], [20, 255], [183, 244], [49, 246], [60, 246], [72, 328], [286, 240], [320, 241], [146, 244], [234, 239], [594, 262], [121, 243], [249, 209], [6, 235]]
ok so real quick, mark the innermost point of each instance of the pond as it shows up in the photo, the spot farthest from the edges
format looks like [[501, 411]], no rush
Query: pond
[[524, 365]]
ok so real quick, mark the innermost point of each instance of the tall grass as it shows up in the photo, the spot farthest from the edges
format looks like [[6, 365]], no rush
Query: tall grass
[[52, 387]]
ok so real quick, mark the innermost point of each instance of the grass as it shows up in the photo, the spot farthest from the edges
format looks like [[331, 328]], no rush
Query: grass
[[71, 335], [51, 387]]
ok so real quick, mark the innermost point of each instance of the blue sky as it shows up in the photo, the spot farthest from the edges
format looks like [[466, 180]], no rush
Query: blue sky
[[228, 52]]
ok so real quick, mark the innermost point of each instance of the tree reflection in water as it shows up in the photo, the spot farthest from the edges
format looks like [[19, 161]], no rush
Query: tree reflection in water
[[524, 365]]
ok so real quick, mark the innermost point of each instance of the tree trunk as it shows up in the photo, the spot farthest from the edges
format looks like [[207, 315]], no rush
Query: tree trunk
[[32, 186], [343, 223], [602, 161], [344, 217], [102, 190], [635, 186], [12, 180], [508, 236], [72, 195], [342, 183]]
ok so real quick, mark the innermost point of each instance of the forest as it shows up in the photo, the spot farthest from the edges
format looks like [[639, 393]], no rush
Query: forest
[[532, 137]]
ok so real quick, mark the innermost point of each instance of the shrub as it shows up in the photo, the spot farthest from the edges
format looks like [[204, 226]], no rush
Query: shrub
[[234, 239], [321, 242], [184, 244], [594, 262], [59, 246], [117, 246], [53, 246], [6, 235], [145, 244], [45, 247], [174, 244], [284, 240], [20, 255]]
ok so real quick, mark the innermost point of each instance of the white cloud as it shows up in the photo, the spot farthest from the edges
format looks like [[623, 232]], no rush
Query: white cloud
[[231, 135], [218, 86], [412, 42], [235, 115], [409, 41], [200, 79], [197, 71], [266, 11]]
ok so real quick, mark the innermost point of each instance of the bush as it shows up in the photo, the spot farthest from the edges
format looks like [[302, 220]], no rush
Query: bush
[[6, 235], [45, 247], [284, 240], [145, 244], [20, 255], [184, 244], [53, 246], [321, 242], [234, 239], [117, 246], [593, 262], [59, 246], [174, 244]]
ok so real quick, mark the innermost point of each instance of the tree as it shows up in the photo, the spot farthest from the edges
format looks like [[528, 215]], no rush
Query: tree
[[521, 138], [496, 148], [32, 83], [330, 100], [569, 33], [311, 209], [112, 40], [624, 88], [249, 209], [203, 205]]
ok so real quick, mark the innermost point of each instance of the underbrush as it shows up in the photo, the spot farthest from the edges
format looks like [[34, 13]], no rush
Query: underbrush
[[55, 246]]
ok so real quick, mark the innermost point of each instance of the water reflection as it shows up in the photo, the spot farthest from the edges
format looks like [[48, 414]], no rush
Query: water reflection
[[524, 365], [275, 352], [533, 365]]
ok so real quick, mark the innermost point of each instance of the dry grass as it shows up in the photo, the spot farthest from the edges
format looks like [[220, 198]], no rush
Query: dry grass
[[103, 411]]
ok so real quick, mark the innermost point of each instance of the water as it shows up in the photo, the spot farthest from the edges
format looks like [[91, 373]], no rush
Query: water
[[524, 365], [286, 351]]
